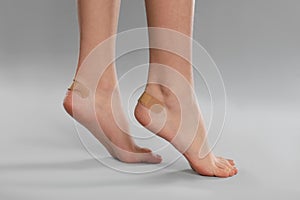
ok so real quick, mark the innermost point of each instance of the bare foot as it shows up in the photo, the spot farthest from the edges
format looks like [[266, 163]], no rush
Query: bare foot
[[188, 144], [118, 142]]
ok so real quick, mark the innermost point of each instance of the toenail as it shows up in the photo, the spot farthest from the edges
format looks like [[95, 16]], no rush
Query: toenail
[[157, 155]]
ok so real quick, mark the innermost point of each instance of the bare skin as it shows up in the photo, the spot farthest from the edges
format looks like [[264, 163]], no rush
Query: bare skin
[[98, 21], [178, 15]]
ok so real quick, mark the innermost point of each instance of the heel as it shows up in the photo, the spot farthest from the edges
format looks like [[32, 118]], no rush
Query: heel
[[79, 88]]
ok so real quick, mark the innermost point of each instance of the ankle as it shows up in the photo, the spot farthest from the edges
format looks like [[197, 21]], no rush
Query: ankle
[[106, 86]]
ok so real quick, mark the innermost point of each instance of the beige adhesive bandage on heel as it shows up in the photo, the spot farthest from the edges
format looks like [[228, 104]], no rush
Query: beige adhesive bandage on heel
[[79, 88], [151, 102]]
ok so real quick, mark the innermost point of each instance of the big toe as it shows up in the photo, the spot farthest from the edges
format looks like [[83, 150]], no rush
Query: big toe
[[223, 173], [148, 157], [223, 170], [151, 158]]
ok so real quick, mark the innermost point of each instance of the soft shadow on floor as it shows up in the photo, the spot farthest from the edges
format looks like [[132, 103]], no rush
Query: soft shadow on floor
[[183, 177]]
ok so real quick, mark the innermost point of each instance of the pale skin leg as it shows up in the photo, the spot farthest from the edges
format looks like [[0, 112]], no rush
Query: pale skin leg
[[98, 21], [178, 16]]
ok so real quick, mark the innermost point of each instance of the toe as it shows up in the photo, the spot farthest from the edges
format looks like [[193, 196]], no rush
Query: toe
[[221, 165], [222, 173], [226, 162], [224, 170], [148, 157], [236, 171], [231, 162], [232, 172], [152, 158]]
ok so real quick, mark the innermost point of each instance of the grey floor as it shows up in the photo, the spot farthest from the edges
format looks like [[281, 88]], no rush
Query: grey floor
[[42, 156], [256, 47]]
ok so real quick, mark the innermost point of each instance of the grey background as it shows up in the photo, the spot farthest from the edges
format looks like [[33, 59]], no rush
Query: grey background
[[256, 46]]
